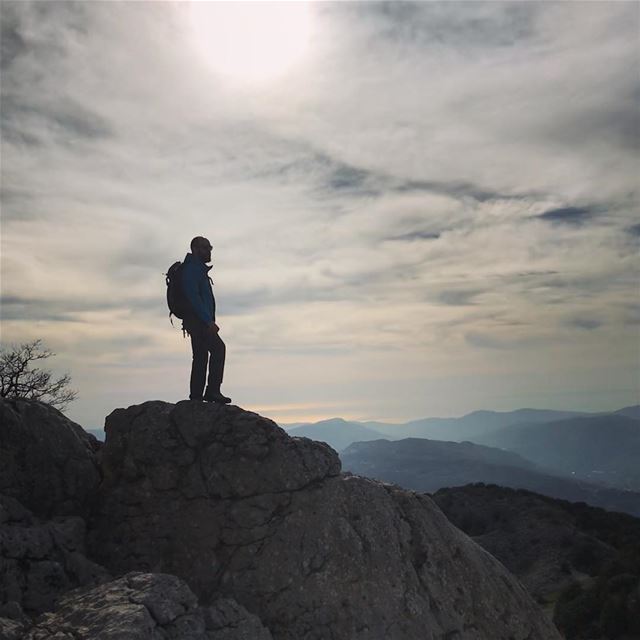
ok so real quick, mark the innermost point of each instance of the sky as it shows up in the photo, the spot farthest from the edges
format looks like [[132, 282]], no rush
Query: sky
[[416, 209]]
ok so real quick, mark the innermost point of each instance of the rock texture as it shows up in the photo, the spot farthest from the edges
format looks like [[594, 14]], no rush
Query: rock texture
[[227, 620], [13, 622], [229, 502], [12, 629], [39, 561], [47, 462], [142, 606]]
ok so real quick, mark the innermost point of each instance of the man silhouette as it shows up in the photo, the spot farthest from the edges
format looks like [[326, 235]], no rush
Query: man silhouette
[[200, 324]]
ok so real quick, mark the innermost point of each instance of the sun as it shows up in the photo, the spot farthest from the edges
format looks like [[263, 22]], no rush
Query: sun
[[251, 41]]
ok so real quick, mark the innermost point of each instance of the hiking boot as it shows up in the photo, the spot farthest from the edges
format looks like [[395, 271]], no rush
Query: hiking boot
[[216, 397]]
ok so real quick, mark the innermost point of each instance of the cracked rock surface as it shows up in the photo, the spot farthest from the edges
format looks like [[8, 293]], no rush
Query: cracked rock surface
[[11, 629], [47, 462], [142, 606], [229, 502], [39, 561], [227, 620], [13, 622]]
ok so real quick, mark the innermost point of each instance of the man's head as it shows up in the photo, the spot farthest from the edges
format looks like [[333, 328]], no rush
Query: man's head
[[201, 248]]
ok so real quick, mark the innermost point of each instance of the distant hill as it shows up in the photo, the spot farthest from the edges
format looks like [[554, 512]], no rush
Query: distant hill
[[600, 448], [468, 427], [581, 561], [337, 433], [98, 433], [287, 426], [472, 425], [603, 449], [630, 412], [428, 465]]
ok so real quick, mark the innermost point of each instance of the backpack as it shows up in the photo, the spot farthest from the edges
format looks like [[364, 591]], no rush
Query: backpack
[[176, 300]]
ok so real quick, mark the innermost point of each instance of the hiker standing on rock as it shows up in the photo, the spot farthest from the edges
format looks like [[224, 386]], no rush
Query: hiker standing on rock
[[200, 323]]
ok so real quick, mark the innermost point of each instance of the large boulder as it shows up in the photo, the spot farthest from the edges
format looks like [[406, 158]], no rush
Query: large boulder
[[47, 462], [40, 561], [141, 606], [226, 500]]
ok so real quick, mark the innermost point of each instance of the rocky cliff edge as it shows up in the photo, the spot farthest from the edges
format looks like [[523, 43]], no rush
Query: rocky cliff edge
[[266, 528], [226, 500]]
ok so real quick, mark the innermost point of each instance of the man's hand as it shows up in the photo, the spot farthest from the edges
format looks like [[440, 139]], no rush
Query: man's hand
[[213, 328]]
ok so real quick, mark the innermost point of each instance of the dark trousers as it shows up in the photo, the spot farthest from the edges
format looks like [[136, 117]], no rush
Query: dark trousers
[[207, 348]]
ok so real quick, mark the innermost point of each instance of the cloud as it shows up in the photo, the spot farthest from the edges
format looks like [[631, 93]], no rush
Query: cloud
[[461, 297], [456, 189], [632, 314], [347, 178], [431, 184], [61, 118], [496, 341], [67, 310], [478, 27], [588, 324], [442, 106], [412, 236], [568, 215], [11, 41]]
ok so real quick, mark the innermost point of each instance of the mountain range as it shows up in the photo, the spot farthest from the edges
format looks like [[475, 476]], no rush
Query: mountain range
[[336, 432], [428, 465], [602, 449], [471, 426]]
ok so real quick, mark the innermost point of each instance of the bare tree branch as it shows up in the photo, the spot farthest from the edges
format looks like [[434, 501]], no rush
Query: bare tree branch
[[20, 379]]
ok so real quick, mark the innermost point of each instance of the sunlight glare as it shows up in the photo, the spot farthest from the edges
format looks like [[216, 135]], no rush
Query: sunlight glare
[[251, 41]]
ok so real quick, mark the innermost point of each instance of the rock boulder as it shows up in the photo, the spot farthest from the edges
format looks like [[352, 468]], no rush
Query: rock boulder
[[47, 462], [40, 561], [226, 500], [141, 606]]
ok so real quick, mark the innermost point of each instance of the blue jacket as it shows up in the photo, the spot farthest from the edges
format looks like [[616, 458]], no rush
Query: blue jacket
[[197, 288]]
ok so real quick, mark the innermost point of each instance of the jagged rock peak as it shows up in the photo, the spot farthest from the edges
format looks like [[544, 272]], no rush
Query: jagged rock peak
[[240, 453], [226, 500]]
